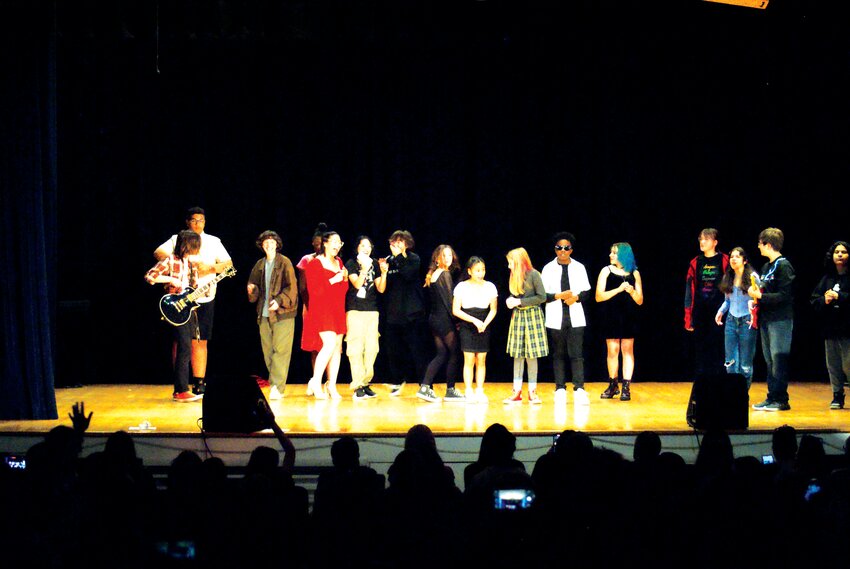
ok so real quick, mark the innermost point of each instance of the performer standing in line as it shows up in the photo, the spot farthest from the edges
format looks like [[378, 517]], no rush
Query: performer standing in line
[[316, 244], [527, 332], [567, 289], [702, 299], [273, 287], [619, 290], [362, 317], [831, 301], [405, 312], [324, 325], [741, 328], [475, 303], [177, 271], [214, 259], [441, 321], [775, 298]]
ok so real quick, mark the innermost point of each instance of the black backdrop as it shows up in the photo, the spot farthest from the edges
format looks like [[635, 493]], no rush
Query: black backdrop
[[484, 124]]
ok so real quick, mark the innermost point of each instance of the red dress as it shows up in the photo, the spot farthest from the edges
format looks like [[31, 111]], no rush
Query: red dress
[[327, 305]]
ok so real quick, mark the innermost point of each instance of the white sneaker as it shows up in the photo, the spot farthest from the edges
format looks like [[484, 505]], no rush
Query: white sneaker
[[275, 394], [560, 396], [480, 396], [580, 397]]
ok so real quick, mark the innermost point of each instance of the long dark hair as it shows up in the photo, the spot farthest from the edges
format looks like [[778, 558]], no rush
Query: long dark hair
[[728, 281]]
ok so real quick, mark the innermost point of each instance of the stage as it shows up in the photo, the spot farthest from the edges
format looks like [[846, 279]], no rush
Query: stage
[[380, 424]]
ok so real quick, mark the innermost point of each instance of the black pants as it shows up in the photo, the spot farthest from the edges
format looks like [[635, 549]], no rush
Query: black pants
[[563, 343], [183, 358], [408, 356]]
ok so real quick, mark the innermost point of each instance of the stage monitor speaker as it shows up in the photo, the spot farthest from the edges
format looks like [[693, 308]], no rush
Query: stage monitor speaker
[[719, 401], [235, 405]]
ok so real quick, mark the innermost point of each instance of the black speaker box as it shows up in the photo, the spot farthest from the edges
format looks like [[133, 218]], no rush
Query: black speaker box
[[719, 401], [235, 405]]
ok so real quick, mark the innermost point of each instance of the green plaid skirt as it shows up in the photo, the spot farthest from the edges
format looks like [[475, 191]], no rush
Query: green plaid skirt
[[527, 333]]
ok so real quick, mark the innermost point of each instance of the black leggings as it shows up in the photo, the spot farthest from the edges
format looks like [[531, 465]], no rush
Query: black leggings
[[447, 354]]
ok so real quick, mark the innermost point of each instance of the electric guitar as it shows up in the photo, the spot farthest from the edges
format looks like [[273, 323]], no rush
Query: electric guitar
[[176, 309]]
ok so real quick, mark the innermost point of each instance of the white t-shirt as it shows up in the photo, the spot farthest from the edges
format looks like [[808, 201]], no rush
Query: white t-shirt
[[212, 252], [475, 296]]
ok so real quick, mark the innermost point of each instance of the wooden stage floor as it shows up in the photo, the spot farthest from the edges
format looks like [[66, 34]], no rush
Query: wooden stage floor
[[654, 406], [380, 424]]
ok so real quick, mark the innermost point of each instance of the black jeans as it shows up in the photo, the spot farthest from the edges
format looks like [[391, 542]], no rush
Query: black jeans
[[563, 343], [405, 346]]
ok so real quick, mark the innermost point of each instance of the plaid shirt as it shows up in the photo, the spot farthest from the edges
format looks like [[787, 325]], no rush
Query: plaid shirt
[[174, 267]]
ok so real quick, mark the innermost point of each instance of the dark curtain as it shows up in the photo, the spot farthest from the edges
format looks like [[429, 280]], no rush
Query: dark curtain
[[28, 231]]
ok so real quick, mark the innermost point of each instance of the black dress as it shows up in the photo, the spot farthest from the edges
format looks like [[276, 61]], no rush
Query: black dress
[[619, 314]]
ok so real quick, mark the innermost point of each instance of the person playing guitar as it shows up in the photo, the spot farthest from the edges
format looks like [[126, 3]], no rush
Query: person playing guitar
[[178, 271], [213, 259]]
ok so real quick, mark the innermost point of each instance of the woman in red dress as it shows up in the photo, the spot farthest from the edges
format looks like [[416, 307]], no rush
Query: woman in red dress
[[324, 323]]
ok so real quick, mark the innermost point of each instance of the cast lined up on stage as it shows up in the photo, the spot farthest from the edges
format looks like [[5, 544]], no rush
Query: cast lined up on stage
[[727, 304]]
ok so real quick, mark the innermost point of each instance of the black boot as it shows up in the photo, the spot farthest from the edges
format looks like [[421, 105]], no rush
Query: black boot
[[626, 395], [613, 389], [199, 387]]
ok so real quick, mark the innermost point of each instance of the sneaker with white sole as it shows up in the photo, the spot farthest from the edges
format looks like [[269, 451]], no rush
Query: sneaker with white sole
[[516, 397], [454, 396], [533, 398], [480, 396], [580, 397], [560, 396], [185, 397], [360, 394], [367, 389], [275, 394], [426, 393], [395, 388]]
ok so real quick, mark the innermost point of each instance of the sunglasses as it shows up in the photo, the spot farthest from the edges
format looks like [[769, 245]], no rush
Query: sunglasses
[[563, 247]]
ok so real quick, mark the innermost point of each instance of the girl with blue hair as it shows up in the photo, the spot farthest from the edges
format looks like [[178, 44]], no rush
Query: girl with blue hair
[[619, 290]]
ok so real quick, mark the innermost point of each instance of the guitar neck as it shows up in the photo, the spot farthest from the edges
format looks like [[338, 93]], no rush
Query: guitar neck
[[202, 290]]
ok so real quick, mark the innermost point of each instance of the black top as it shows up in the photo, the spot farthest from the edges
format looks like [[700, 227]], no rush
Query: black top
[[708, 297], [403, 297], [777, 300], [367, 300], [440, 319], [834, 318]]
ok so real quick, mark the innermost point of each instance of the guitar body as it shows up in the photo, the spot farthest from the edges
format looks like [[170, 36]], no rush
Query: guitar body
[[176, 309]]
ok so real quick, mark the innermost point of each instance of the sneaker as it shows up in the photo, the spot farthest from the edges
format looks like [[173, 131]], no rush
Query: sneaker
[[580, 397], [185, 397], [560, 396], [480, 396], [395, 388], [776, 406], [533, 398], [275, 394], [761, 406], [837, 401], [367, 389], [516, 397], [453, 396], [360, 394], [426, 392], [470, 396]]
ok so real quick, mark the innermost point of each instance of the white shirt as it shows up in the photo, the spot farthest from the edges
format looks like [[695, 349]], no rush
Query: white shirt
[[579, 282], [212, 252], [475, 296]]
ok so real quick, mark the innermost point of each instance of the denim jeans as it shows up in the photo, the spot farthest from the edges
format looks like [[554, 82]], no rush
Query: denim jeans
[[740, 346], [776, 346]]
